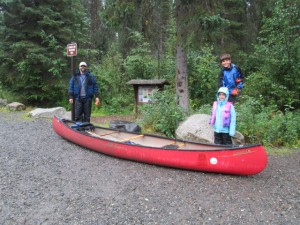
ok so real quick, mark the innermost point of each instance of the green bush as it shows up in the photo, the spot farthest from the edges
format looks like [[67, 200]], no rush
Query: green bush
[[268, 125], [205, 109], [163, 115], [120, 105], [11, 97], [267, 91]]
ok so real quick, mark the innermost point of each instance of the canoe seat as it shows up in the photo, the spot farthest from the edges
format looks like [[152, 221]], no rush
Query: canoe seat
[[101, 135], [134, 137], [92, 133], [113, 132]]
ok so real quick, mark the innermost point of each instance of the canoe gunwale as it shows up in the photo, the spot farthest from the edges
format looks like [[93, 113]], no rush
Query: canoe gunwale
[[226, 147]]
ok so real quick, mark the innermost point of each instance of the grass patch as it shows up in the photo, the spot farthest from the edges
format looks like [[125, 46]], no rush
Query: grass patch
[[4, 109], [283, 151], [104, 111], [17, 115]]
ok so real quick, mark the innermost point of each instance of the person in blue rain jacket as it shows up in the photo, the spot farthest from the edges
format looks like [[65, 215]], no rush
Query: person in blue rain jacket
[[223, 118], [231, 77], [82, 89]]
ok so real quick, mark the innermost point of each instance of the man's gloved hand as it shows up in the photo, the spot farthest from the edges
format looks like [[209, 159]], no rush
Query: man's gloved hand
[[235, 91], [238, 80]]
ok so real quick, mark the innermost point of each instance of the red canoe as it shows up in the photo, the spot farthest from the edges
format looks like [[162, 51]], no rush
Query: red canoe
[[151, 149]]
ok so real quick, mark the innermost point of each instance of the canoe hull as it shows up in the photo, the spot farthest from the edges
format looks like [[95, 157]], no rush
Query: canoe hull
[[248, 160]]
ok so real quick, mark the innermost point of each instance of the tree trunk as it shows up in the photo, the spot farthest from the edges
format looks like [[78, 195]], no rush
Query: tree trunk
[[95, 21], [182, 90]]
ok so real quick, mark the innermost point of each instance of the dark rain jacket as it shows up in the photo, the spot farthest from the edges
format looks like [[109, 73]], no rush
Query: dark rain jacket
[[231, 78], [91, 88]]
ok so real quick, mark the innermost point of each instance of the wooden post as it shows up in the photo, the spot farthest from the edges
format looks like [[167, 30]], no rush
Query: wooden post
[[136, 99], [72, 52], [73, 105]]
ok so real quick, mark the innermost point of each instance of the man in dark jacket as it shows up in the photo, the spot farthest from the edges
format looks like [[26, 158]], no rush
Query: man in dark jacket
[[231, 77], [82, 88]]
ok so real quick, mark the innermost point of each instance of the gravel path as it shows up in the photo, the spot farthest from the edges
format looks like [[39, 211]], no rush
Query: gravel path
[[48, 180]]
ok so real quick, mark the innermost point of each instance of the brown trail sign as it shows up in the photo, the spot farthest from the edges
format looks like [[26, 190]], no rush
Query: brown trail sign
[[72, 49]]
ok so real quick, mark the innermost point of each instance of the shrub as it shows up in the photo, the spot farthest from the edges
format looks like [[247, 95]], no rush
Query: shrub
[[268, 92], [162, 116], [205, 109], [8, 95], [268, 125]]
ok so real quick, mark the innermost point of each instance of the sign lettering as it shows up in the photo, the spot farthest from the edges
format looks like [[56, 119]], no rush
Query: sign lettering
[[72, 49]]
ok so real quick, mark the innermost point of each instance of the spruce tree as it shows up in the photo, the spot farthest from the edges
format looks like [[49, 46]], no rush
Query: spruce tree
[[34, 39]]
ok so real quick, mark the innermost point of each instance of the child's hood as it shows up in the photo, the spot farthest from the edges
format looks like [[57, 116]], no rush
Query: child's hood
[[223, 90]]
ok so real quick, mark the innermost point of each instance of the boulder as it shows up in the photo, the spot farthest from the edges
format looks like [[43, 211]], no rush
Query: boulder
[[47, 112], [197, 128], [67, 115], [16, 106], [238, 139]]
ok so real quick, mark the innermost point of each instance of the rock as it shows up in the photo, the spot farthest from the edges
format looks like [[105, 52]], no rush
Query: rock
[[197, 128], [47, 112], [16, 106], [67, 115], [3, 102], [238, 139]]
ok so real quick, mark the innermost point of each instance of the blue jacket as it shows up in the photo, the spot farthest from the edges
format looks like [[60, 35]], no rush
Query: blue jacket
[[75, 86], [228, 78], [223, 116]]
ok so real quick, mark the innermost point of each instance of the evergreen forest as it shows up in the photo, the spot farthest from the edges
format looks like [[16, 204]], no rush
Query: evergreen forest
[[176, 40]]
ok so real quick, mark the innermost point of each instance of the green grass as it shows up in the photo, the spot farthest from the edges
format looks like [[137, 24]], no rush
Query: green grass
[[102, 111], [281, 151], [3, 109]]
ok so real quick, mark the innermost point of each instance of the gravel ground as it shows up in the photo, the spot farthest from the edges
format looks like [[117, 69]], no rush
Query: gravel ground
[[48, 180]]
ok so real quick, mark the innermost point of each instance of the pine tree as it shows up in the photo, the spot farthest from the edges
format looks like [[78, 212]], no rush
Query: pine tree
[[34, 39]]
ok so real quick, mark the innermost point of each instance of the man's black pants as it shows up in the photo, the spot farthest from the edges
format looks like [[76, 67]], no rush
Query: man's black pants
[[222, 139], [83, 108]]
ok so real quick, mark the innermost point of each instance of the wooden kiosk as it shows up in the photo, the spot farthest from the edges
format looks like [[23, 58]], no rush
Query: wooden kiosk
[[143, 90]]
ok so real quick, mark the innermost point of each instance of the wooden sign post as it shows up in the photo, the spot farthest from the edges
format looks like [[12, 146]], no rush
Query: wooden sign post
[[71, 52]]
